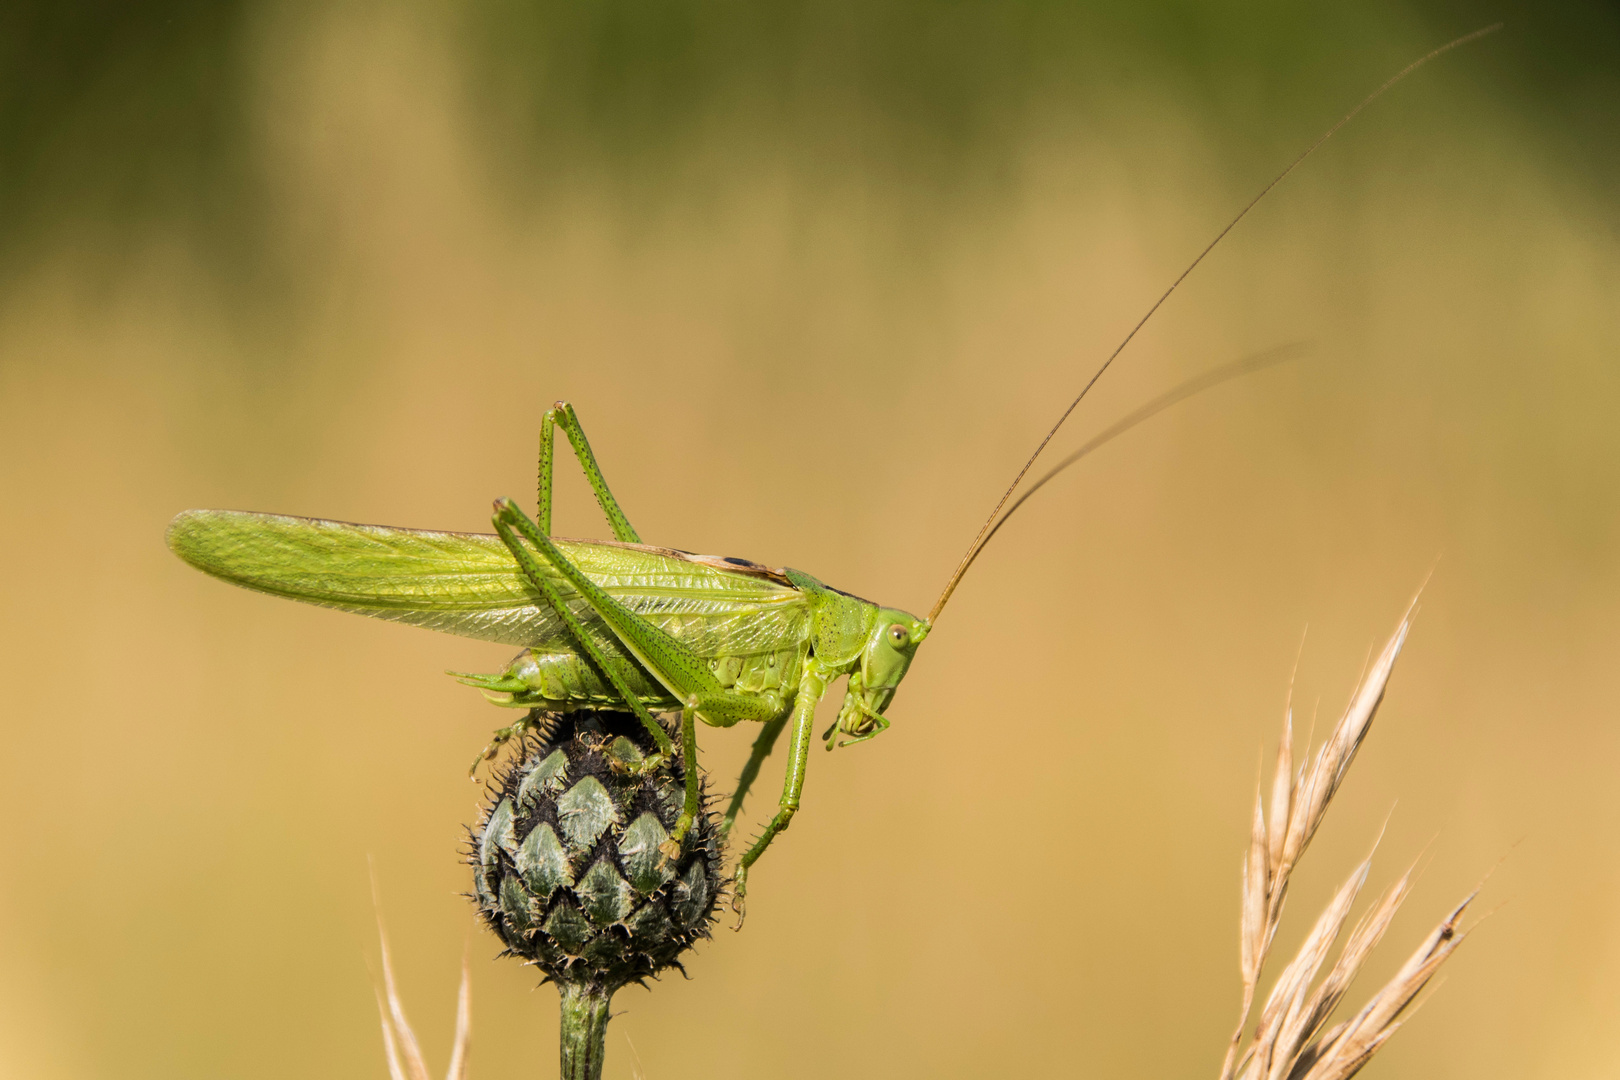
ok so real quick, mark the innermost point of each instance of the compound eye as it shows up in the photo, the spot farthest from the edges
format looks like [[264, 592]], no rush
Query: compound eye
[[899, 634]]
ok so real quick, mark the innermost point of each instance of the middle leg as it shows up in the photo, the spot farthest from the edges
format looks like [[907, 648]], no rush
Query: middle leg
[[763, 745], [811, 686]]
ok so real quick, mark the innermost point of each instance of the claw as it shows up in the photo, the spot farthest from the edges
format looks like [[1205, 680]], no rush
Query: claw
[[670, 849], [501, 737]]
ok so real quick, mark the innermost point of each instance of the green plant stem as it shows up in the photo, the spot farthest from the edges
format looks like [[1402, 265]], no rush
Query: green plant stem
[[584, 1030]]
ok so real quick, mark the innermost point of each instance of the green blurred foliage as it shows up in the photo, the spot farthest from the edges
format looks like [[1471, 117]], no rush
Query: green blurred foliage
[[125, 113]]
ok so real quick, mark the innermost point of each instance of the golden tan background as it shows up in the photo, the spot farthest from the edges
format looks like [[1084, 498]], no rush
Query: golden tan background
[[816, 277]]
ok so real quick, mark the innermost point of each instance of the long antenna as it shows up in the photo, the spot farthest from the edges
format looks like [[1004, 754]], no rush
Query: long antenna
[[1195, 385], [990, 522]]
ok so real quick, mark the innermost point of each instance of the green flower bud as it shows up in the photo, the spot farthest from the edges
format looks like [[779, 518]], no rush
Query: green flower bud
[[567, 869]]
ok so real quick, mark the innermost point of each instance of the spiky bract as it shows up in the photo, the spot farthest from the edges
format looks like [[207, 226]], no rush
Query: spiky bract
[[567, 863]]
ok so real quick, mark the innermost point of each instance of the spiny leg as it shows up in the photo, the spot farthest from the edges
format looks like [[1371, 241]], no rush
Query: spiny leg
[[682, 673], [562, 414], [671, 848], [537, 577], [762, 750], [811, 687]]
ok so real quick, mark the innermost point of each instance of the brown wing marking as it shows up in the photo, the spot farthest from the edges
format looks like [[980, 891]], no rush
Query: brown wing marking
[[729, 563]]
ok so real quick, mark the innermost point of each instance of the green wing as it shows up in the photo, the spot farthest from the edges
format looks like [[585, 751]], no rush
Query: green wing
[[468, 584]]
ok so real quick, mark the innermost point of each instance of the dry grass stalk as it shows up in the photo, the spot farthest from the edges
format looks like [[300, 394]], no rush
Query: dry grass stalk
[[1289, 1042], [405, 1061]]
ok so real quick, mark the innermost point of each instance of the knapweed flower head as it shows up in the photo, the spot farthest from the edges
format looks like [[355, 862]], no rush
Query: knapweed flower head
[[571, 868]]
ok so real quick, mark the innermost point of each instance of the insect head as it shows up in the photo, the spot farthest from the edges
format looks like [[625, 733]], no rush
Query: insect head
[[884, 659]]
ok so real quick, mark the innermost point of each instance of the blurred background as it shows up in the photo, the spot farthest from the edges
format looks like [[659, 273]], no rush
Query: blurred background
[[817, 276]]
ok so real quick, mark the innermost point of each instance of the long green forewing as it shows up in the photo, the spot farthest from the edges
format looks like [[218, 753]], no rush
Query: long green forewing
[[468, 584]]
